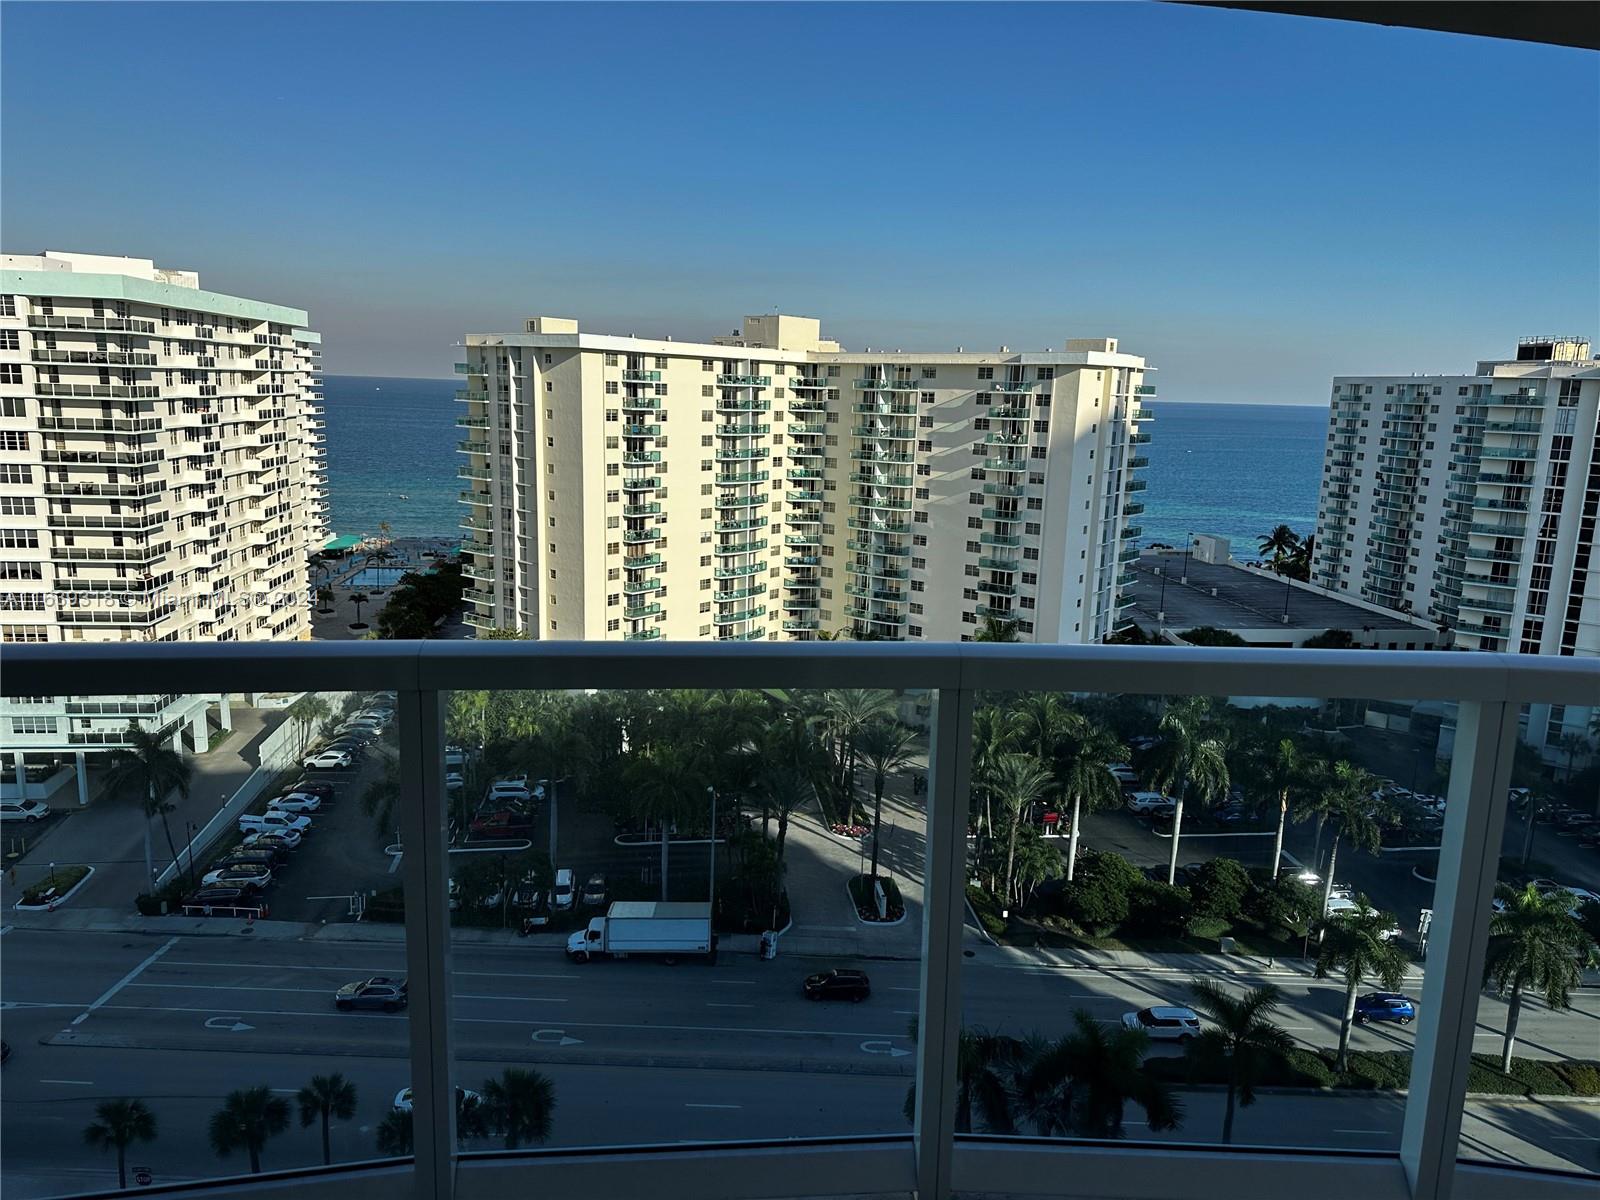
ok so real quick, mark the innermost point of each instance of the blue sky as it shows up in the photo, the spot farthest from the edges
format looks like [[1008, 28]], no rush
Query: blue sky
[[1255, 202]]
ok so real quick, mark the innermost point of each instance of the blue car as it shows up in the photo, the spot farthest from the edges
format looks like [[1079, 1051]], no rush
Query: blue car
[[1385, 1006]]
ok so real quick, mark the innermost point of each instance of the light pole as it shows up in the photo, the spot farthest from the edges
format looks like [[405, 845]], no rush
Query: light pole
[[712, 792], [1189, 541], [188, 828]]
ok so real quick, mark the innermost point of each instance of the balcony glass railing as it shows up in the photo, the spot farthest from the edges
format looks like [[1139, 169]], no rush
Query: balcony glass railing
[[602, 1073]]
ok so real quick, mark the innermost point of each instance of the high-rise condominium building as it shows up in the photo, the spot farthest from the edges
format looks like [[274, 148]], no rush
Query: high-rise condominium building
[[1472, 500], [768, 485], [161, 472]]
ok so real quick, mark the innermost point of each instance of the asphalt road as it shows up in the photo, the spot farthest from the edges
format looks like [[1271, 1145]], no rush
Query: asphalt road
[[638, 1052]]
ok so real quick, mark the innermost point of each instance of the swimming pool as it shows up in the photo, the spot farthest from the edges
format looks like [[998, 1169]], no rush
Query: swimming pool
[[374, 577]]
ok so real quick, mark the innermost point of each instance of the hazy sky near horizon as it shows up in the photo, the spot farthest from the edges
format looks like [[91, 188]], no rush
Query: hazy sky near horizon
[[1255, 202]]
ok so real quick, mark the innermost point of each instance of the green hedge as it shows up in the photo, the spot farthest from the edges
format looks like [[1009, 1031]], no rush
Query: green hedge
[[1390, 1070], [988, 910]]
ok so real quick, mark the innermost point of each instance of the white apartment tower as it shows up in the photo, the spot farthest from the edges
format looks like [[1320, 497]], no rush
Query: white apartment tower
[[768, 485], [1472, 500], [161, 471]]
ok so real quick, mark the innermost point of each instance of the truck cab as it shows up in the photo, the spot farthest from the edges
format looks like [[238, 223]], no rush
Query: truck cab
[[588, 940]]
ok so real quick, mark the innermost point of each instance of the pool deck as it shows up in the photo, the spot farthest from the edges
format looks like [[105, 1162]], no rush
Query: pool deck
[[407, 556]]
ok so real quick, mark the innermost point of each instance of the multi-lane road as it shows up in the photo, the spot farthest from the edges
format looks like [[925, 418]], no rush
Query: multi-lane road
[[638, 1052]]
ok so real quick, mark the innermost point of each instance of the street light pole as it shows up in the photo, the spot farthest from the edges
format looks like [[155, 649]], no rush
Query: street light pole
[[1189, 541], [712, 792]]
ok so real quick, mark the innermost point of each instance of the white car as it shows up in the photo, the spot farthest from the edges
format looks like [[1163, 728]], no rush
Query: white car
[[1123, 772], [1149, 802], [1580, 896], [289, 839], [238, 876], [1164, 1024], [454, 781], [296, 802], [273, 821], [563, 894], [327, 760], [464, 1097], [504, 790], [24, 810]]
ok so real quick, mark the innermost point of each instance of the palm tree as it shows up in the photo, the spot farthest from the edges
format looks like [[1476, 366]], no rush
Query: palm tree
[[117, 1125], [307, 712], [1346, 803], [986, 1068], [1039, 719], [247, 1118], [1284, 769], [1192, 752], [358, 599], [791, 763], [846, 712], [395, 1135], [887, 748], [1353, 944], [1083, 766], [1242, 1035], [518, 1106], [994, 629], [993, 734], [155, 770], [669, 782], [1020, 782], [327, 1098], [1572, 745], [1280, 542], [1081, 1084], [1535, 944]]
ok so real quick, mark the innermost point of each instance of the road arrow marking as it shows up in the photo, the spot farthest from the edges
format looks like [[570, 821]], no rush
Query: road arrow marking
[[234, 1025], [558, 1036], [880, 1047]]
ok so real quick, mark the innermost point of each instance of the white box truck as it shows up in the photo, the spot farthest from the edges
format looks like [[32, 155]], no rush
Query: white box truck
[[667, 931]]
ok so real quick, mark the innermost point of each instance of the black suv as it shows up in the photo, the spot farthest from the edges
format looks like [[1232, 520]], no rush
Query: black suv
[[838, 985]]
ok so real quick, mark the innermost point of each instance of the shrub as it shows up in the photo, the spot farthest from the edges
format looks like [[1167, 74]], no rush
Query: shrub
[[1209, 635], [1159, 910], [988, 910], [1098, 899], [1281, 903], [1330, 639], [63, 879], [1220, 889]]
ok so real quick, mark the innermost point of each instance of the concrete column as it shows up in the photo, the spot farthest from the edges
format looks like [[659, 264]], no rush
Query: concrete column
[[83, 778], [22, 775], [198, 732], [176, 744], [225, 713]]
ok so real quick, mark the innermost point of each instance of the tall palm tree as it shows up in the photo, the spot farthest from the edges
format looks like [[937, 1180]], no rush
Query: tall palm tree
[[1572, 744], [358, 599], [986, 1070], [1284, 770], [1083, 767], [846, 712], [246, 1120], [1192, 753], [1039, 720], [669, 782], [993, 735], [1280, 542], [791, 764], [519, 1105], [155, 770], [117, 1125], [1020, 781], [1352, 943], [327, 1098], [886, 747], [1082, 1083], [307, 712], [395, 1135], [1345, 803], [1536, 945], [1241, 1035]]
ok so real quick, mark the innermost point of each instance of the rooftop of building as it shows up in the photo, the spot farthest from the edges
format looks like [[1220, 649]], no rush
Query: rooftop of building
[[1232, 596]]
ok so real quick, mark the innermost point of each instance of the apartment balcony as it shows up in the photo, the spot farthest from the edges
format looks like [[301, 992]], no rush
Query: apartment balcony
[[801, 560], [1145, 389], [1517, 452], [479, 621], [885, 595], [1010, 465], [478, 596], [632, 458], [1486, 605], [803, 539], [806, 452], [1000, 539], [991, 563], [1008, 516], [1138, 462], [803, 473], [1132, 509], [740, 524], [1009, 386], [638, 612], [642, 635], [745, 430], [1004, 489], [885, 407], [740, 501], [1128, 554], [1000, 612], [997, 589], [641, 431], [881, 502], [641, 483], [108, 358], [1505, 556], [479, 448], [863, 613], [740, 616], [642, 587], [473, 571], [640, 403], [1499, 529], [458, 961], [100, 391], [653, 508], [874, 526], [733, 478], [1515, 401], [742, 455], [644, 537], [808, 381], [472, 546], [96, 324], [885, 385], [862, 546], [474, 473], [473, 422], [807, 428], [801, 624], [1009, 412], [640, 562], [1136, 485], [884, 433], [744, 381], [740, 593], [108, 554], [472, 397], [732, 549], [1006, 439], [728, 404], [880, 456], [795, 515], [807, 404], [1140, 439], [631, 375]]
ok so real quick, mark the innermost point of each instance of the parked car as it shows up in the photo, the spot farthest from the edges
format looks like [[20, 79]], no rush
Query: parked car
[[328, 760], [1385, 1006], [225, 901], [286, 839], [512, 790], [273, 821], [594, 891], [838, 984], [271, 857], [23, 810], [502, 823], [296, 802], [380, 992], [561, 896], [1164, 1023], [1149, 803], [454, 781], [1124, 773], [464, 1098], [252, 877], [314, 787]]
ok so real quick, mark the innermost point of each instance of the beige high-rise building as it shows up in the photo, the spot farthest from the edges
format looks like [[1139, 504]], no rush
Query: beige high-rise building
[[161, 472], [769, 485]]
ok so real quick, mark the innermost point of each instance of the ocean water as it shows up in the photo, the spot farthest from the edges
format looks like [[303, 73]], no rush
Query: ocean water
[[388, 439], [1230, 469], [1235, 470]]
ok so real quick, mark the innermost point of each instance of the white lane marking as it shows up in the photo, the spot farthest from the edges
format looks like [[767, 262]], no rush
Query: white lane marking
[[285, 1091], [4, 929], [903, 989], [713, 1106], [348, 970], [537, 999], [713, 1004], [1365, 1131], [73, 1082], [739, 982], [905, 1012], [226, 987], [124, 981]]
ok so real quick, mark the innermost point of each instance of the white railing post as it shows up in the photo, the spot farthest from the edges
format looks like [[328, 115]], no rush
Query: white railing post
[[944, 911], [1469, 861], [425, 875]]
